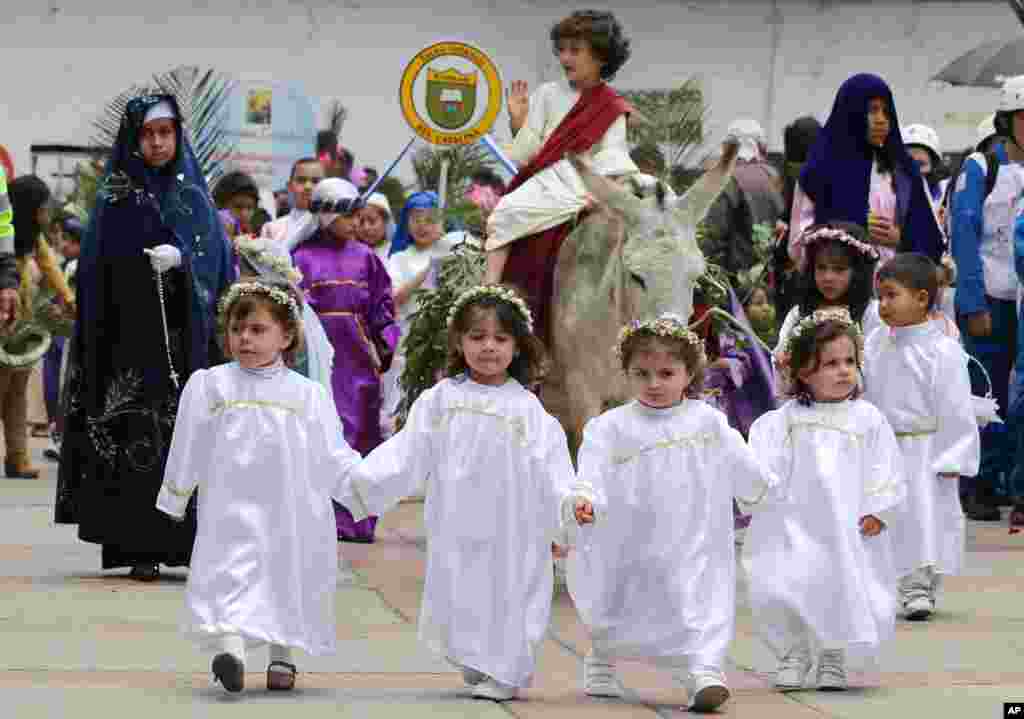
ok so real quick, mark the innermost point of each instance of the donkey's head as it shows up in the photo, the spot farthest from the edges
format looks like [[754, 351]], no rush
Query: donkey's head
[[661, 253]]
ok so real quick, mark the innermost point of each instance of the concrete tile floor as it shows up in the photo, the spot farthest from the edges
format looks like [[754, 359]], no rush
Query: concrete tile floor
[[77, 642]]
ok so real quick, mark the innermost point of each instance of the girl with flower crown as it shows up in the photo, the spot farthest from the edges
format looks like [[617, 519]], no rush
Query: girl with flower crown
[[820, 559], [500, 485], [837, 271], [651, 582], [266, 450]]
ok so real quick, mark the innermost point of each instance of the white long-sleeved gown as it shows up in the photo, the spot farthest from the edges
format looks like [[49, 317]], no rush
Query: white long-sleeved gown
[[813, 575], [655, 576], [918, 378], [266, 451], [499, 472]]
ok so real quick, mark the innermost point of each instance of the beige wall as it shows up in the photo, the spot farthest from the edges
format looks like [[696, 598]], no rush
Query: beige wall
[[59, 67]]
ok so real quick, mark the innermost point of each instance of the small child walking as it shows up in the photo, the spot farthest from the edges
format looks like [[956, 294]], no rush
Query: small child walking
[[264, 446], [917, 376], [821, 573], [501, 485], [654, 578]]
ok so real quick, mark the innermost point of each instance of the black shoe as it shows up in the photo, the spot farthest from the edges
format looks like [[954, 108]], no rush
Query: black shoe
[[983, 512], [51, 454], [229, 671], [145, 572]]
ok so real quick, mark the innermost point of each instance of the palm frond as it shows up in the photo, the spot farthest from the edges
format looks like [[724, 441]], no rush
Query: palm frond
[[465, 161], [671, 119], [202, 96], [337, 113]]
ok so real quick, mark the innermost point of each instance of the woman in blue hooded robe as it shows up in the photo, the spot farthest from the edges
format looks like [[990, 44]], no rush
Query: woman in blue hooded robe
[[125, 372], [851, 176]]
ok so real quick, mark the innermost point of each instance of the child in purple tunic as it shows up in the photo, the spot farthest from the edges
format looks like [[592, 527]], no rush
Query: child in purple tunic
[[348, 287]]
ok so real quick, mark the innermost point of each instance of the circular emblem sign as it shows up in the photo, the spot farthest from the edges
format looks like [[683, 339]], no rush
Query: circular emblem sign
[[451, 94]]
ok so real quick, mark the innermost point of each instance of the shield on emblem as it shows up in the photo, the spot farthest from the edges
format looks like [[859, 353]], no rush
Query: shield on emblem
[[451, 97]]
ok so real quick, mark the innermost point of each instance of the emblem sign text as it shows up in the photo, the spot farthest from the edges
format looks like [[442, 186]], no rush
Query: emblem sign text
[[453, 96]]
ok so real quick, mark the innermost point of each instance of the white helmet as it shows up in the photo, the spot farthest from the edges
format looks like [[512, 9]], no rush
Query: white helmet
[[924, 136], [1011, 98], [986, 129]]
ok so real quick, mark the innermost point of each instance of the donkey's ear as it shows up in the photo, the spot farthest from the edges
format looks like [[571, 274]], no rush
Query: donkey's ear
[[693, 206]]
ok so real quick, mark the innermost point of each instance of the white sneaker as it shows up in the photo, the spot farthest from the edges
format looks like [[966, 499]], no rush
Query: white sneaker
[[599, 678], [494, 690], [472, 677], [793, 669], [918, 609], [832, 671], [707, 690]]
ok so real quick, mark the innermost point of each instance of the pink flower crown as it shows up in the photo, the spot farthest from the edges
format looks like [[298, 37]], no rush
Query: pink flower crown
[[820, 234]]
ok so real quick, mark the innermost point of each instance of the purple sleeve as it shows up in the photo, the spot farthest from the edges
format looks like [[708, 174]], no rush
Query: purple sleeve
[[382, 325]]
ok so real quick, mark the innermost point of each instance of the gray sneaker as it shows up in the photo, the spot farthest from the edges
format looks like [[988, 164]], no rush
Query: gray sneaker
[[793, 669], [707, 689], [832, 671], [599, 678]]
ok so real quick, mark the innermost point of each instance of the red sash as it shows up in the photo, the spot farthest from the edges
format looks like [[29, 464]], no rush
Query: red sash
[[531, 262]]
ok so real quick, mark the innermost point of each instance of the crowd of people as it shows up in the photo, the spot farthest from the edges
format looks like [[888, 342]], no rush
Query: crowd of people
[[212, 347]]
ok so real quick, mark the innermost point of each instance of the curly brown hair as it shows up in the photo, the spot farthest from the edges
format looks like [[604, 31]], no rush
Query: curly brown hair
[[686, 352], [602, 31], [248, 303], [805, 352], [530, 363]]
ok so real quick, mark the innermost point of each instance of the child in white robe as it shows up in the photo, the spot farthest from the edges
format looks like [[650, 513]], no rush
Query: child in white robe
[[917, 376], [820, 556], [265, 449], [651, 581], [499, 485]]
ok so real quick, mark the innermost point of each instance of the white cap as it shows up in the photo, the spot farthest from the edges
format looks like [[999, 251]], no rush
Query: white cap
[[380, 200], [986, 129], [160, 111], [751, 137], [924, 136], [1011, 98], [333, 189]]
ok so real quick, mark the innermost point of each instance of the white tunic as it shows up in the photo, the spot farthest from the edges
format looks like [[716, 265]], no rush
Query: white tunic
[[812, 574], [918, 378], [556, 194], [266, 452], [499, 472], [655, 576]]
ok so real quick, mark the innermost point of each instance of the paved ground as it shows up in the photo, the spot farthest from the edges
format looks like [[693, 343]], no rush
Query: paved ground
[[77, 643]]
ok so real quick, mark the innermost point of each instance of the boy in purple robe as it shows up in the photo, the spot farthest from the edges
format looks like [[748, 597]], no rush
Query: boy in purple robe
[[348, 287]]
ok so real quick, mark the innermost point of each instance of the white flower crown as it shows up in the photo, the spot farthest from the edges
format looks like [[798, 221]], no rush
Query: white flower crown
[[276, 294], [817, 318], [502, 293], [257, 251], [668, 325]]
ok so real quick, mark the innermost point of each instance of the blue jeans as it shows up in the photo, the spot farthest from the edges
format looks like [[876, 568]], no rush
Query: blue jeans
[[997, 353]]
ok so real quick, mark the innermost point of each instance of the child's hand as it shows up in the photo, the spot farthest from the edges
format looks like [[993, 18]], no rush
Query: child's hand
[[871, 526], [781, 359], [518, 103], [949, 475], [584, 512], [559, 551]]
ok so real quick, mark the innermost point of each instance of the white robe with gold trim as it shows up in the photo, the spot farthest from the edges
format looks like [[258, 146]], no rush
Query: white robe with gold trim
[[266, 453]]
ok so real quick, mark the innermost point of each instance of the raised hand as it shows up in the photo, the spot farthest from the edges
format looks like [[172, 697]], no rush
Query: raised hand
[[518, 99]]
